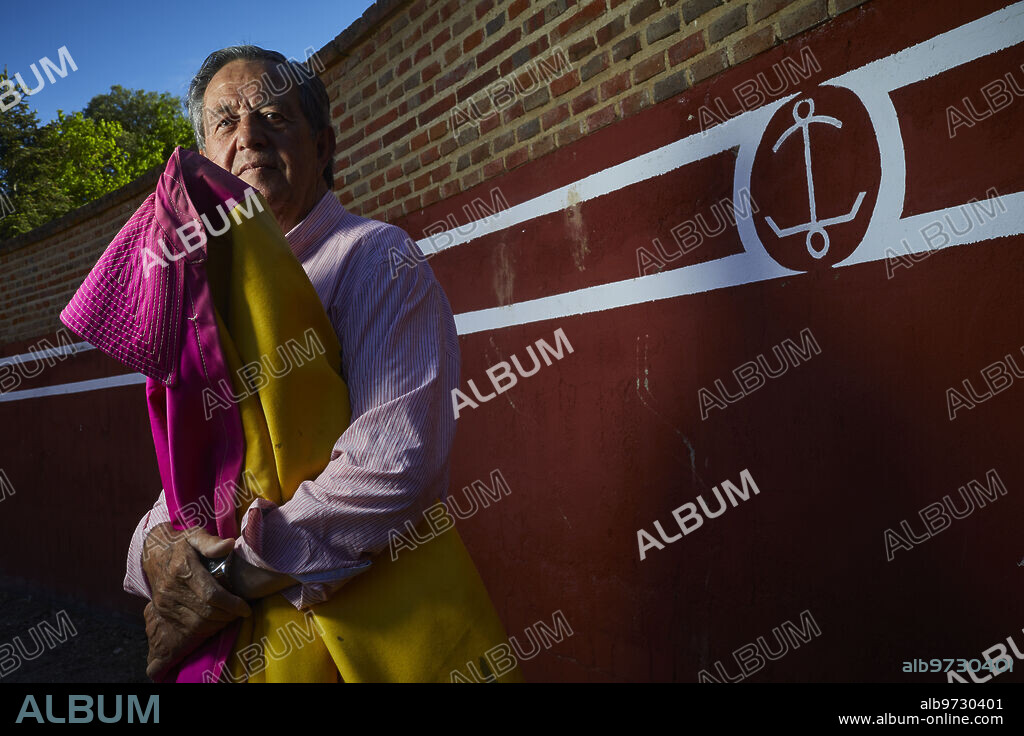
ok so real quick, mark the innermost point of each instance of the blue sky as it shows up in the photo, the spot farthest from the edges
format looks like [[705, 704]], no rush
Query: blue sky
[[153, 46]]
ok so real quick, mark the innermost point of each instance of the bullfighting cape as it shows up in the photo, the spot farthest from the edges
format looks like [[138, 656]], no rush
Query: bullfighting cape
[[199, 284]]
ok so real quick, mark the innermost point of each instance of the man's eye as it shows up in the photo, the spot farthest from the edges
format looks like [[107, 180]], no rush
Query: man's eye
[[274, 116], [224, 121]]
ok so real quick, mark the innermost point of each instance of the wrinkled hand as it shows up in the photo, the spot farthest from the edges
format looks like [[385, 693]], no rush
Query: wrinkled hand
[[188, 605]]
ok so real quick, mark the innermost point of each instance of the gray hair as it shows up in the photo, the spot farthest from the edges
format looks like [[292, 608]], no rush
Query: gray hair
[[312, 93]]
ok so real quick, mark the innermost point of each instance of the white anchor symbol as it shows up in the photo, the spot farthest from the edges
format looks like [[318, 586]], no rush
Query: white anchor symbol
[[815, 226]]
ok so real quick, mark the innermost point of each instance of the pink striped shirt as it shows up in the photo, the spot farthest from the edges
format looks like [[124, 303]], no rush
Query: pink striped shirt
[[400, 358]]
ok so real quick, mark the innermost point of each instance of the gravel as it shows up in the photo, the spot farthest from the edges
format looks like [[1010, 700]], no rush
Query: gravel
[[107, 646]]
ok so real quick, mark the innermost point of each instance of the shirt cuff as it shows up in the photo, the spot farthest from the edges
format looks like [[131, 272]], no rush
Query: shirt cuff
[[311, 588], [135, 580], [311, 592]]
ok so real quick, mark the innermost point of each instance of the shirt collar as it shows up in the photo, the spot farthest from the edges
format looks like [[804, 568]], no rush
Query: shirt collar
[[321, 221]]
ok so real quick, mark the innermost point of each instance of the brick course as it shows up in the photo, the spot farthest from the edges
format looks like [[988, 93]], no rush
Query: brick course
[[432, 97], [623, 55]]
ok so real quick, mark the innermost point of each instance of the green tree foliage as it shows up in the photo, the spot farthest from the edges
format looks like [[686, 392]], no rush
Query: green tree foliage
[[27, 171], [153, 123], [49, 170], [90, 160]]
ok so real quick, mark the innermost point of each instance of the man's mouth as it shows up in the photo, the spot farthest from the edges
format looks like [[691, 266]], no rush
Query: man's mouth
[[255, 167]]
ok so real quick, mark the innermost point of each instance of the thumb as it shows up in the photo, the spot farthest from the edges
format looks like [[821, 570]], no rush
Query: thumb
[[209, 544]]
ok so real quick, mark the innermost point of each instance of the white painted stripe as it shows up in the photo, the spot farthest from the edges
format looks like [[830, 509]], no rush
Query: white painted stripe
[[54, 352], [736, 270], [978, 38], [871, 82], [646, 166], [988, 219], [984, 36], [948, 50], [729, 271], [128, 379]]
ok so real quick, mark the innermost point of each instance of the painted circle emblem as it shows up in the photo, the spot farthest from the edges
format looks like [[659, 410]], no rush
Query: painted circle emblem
[[815, 179]]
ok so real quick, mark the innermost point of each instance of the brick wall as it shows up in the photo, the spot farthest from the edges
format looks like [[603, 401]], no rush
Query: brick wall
[[846, 448], [41, 270], [432, 97], [441, 95]]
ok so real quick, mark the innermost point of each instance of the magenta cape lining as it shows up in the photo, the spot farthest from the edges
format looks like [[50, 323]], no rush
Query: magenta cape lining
[[163, 325]]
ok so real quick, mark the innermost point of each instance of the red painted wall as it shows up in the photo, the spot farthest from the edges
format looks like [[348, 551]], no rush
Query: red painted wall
[[610, 438]]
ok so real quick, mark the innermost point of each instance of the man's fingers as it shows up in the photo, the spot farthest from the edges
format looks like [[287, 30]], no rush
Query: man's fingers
[[207, 591], [191, 616], [156, 667], [188, 610], [169, 644], [232, 604], [181, 581], [158, 548], [208, 544], [160, 636], [201, 594], [171, 640]]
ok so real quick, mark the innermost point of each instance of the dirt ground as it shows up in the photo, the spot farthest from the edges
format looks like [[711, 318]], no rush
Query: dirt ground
[[108, 646]]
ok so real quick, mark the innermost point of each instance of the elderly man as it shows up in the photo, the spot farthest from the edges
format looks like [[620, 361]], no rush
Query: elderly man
[[266, 121]]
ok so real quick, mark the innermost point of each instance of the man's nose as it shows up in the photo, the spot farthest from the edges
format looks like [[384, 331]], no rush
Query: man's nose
[[250, 131]]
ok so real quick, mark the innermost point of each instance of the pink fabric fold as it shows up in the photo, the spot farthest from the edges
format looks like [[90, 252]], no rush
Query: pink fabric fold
[[163, 325]]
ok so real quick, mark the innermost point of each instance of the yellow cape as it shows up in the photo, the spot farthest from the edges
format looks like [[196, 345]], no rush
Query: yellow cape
[[415, 619]]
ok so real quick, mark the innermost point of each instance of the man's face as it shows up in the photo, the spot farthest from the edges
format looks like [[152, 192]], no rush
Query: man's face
[[263, 138]]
